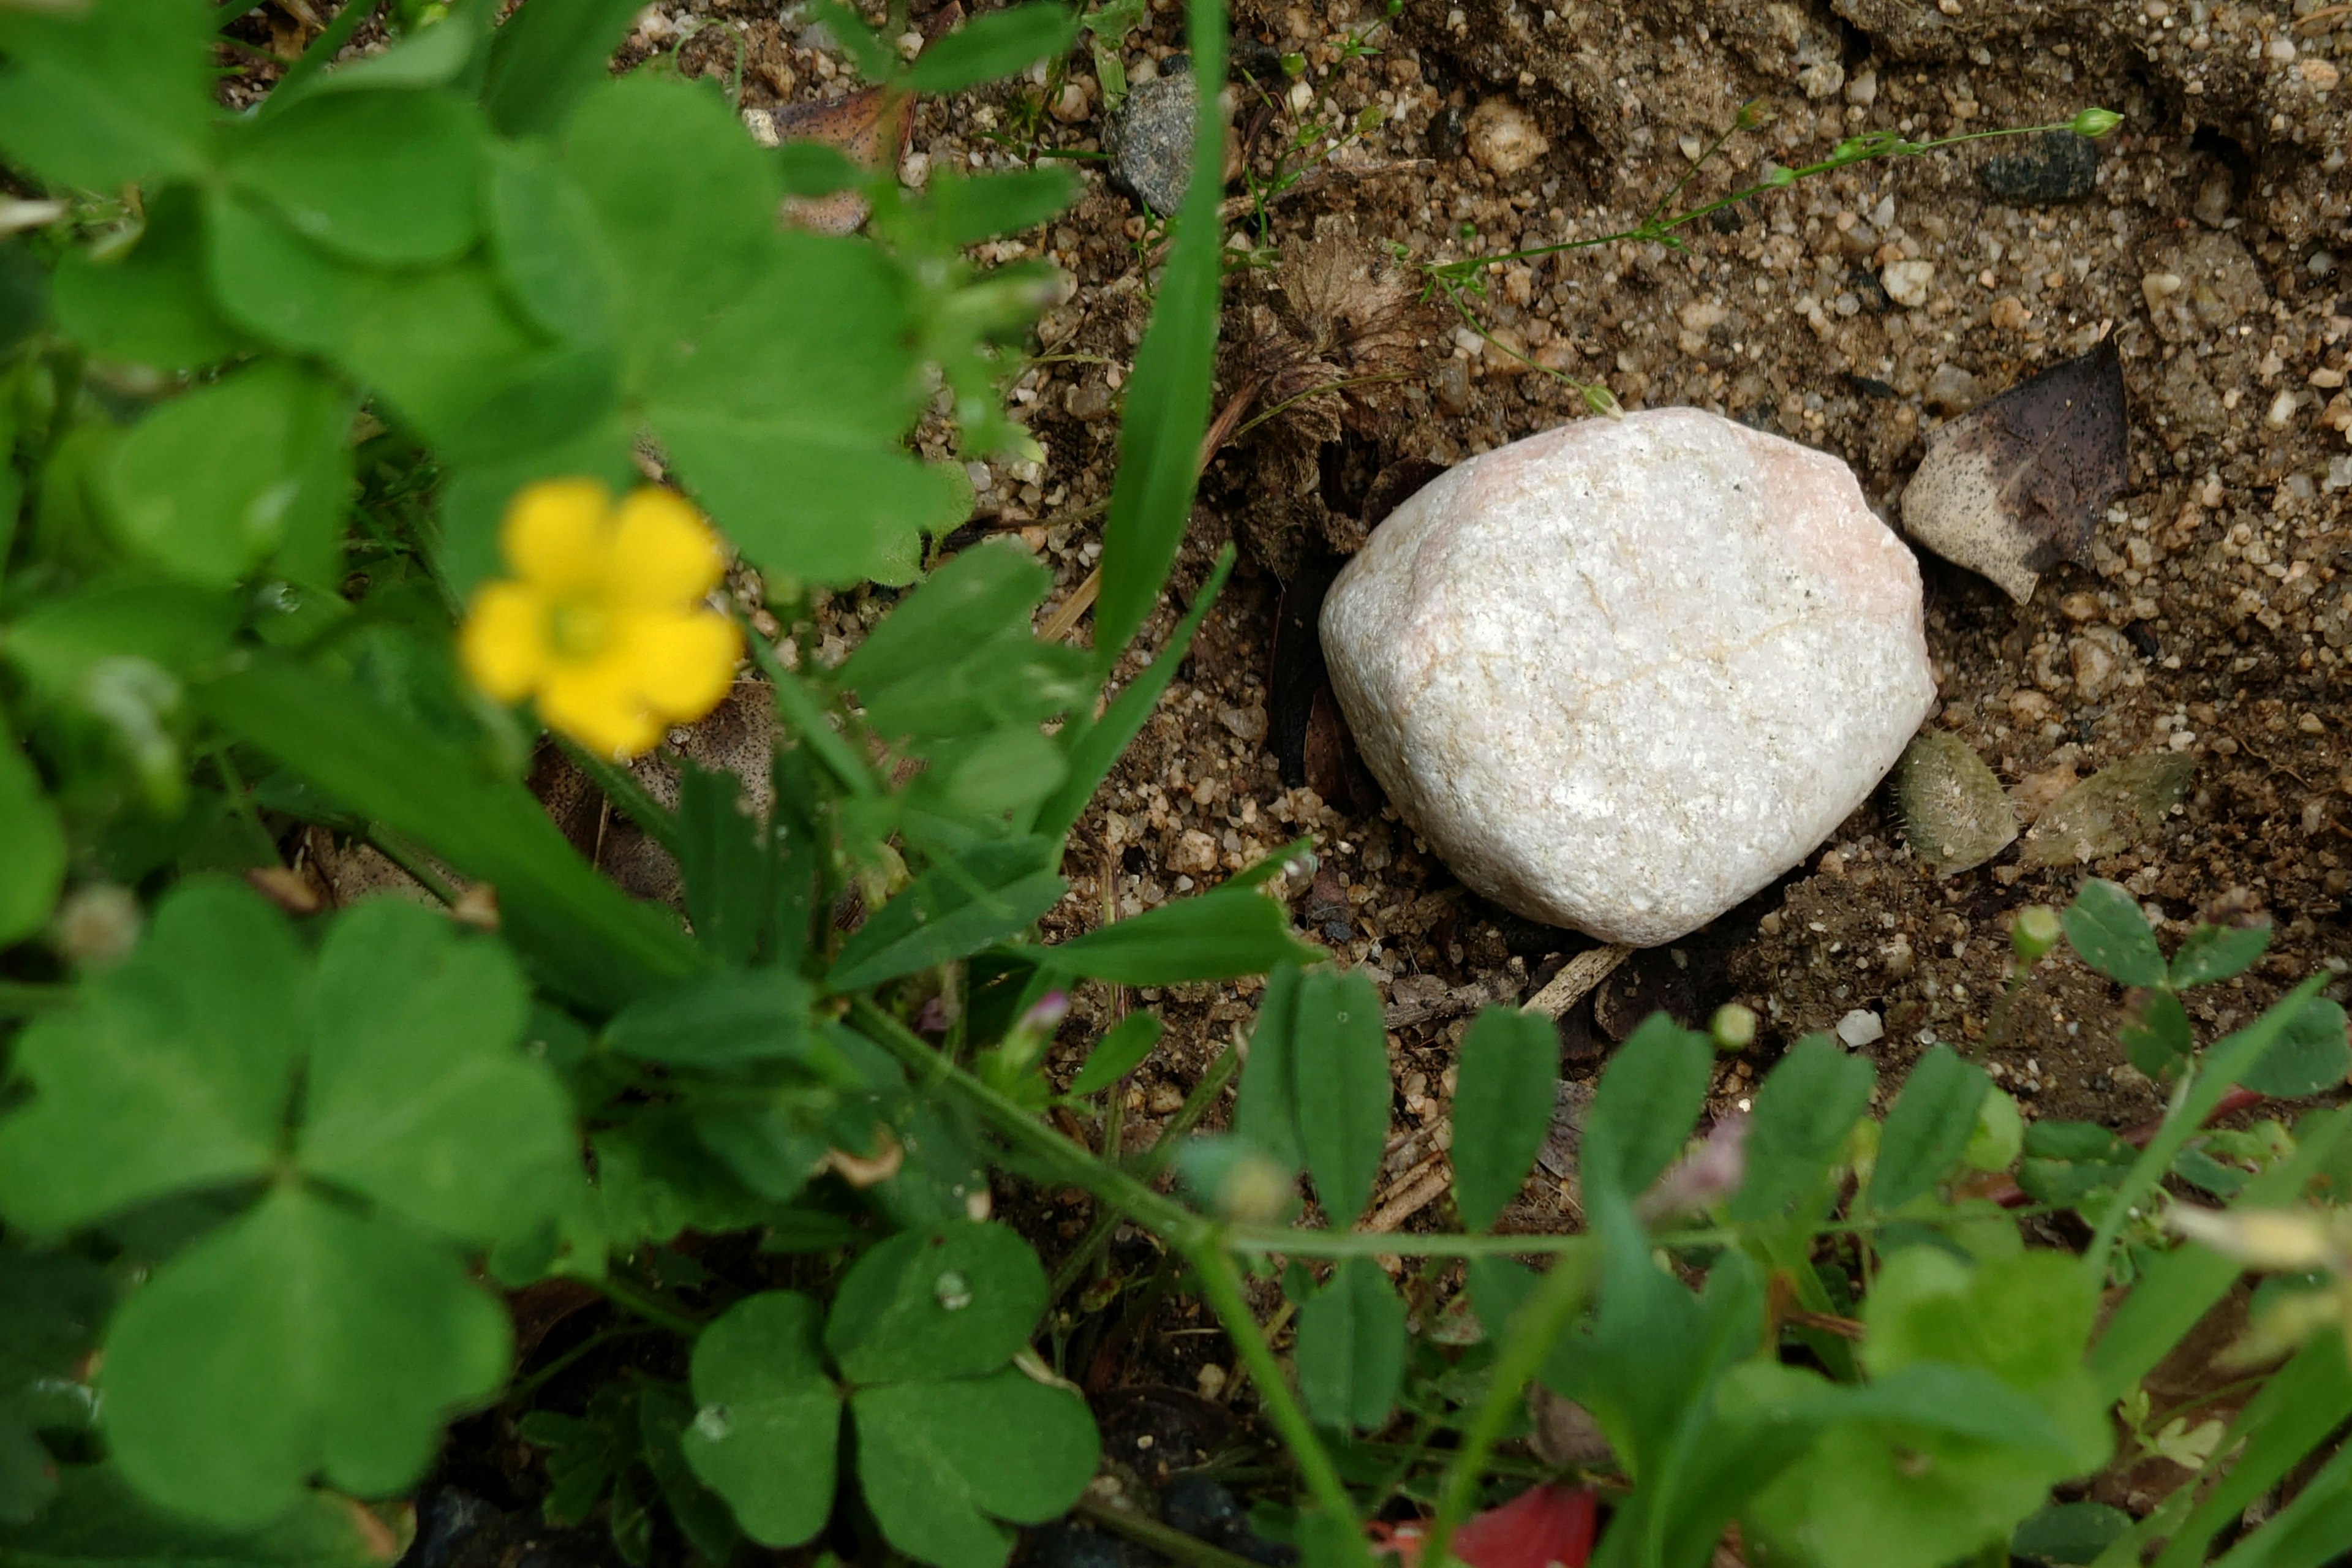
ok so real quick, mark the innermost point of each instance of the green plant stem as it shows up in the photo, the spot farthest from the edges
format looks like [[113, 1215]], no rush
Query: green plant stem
[[1221, 1286], [405, 856], [1201, 1244], [526, 1387], [623, 789], [1166, 1540], [1150, 1163], [651, 1309], [1069, 1162], [1534, 1329], [2202, 1085], [805, 718]]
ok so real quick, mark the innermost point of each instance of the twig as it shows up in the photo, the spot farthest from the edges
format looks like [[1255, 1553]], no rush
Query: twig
[[1412, 1191], [1585, 970]]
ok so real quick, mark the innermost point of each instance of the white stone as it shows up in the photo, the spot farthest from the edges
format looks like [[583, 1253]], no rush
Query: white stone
[[1907, 282], [1623, 674], [1860, 1027]]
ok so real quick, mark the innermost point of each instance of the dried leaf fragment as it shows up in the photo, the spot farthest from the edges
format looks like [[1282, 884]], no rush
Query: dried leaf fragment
[[869, 127], [2109, 812], [1955, 813], [2017, 484]]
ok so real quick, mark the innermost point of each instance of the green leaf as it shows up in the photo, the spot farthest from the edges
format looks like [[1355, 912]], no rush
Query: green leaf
[[1214, 936], [1168, 396], [583, 931], [546, 244], [1351, 1346], [296, 1338], [2156, 1036], [2110, 934], [764, 1437], [151, 303], [172, 1073], [1920, 1478], [2214, 953], [655, 1179], [936, 1460], [666, 1415], [34, 870], [1265, 1106], [99, 1521], [1095, 748], [2178, 1288], [1804, 1111], [1927, 1129], [721, 856], [223, 478], [546, 56], [952, 1302], [1502, 1109], [439, 345], [2310, 1056], [2286, 1421], [390, 177], [1647, 1103], [726, 1019], [2070, 1532], [786, 419], [1118, 1053], [418, 1095], [1341, 1061], [434, 55], [63, 639], [950, 911], [958, 656], [961, 210], [100, 96], [996, 44], [686, 201]]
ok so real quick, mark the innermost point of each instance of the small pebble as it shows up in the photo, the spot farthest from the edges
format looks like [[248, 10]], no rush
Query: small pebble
[[2059, 166], [1907, 282], [1861, 1028], [1951, 390], [1150, 141], [1504, 137]]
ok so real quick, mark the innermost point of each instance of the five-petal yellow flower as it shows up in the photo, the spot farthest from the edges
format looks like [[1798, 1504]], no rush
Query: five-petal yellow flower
[[603, 621]]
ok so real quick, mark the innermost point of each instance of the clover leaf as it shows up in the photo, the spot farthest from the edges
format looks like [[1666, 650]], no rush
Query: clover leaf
[[936, 1459], [949, 1437], [331, 1325]]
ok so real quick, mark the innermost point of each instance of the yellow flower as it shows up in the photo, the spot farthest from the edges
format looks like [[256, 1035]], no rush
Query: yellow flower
[[603, 621]]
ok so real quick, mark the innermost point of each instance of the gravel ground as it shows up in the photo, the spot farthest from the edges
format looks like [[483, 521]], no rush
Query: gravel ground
[[1855, 312]]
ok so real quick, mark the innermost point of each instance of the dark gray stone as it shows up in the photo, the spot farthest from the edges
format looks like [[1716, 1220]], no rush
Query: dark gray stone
[[1151, 142], [2057, 166]]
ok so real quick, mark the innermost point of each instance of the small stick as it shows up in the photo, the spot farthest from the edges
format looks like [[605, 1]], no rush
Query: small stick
[[1583, 972], [1411, 1194]]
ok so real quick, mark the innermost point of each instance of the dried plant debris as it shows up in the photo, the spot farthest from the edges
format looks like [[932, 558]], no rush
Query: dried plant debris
[[1954, 811], [2017, 484], [1334, 334], [2109, 812], [869, 127]]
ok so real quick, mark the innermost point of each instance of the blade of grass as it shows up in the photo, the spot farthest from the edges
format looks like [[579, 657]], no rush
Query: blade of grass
[[1168, 398]]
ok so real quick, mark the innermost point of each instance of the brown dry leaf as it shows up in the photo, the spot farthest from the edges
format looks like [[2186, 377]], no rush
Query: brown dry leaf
[[2109, 812], [1954, 813], [2017, 484], [869, 127]]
